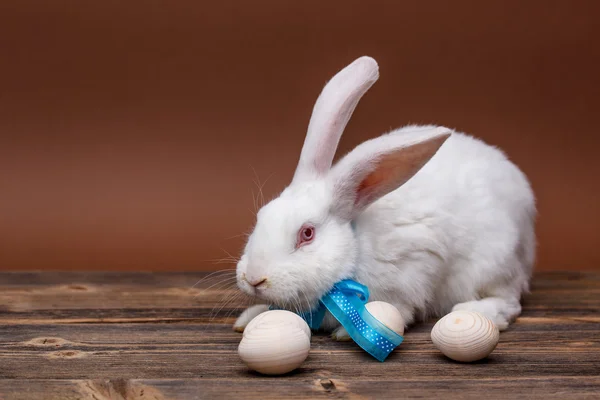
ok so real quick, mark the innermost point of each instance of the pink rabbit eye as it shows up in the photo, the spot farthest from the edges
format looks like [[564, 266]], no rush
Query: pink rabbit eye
[[305, 235]]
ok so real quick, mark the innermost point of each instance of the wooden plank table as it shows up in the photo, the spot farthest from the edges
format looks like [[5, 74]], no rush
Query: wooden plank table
[[142, 336]]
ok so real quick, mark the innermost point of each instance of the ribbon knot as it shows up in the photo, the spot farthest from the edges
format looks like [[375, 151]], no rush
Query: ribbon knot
[[346, 302]]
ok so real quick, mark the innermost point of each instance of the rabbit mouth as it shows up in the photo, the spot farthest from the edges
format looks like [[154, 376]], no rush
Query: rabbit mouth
[[286, 297]]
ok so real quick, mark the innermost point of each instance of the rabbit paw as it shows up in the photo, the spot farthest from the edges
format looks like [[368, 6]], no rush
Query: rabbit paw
[[248, 315], [501, 311], [340, 334]]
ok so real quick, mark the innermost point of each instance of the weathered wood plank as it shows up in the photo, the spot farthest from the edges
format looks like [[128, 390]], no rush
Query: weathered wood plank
[[321, 386], [114, 297], [63, 334], [95, 351], [558, 318], [157, 352]]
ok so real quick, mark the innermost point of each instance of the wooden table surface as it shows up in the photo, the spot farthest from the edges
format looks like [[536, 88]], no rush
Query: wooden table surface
[[155, 336]]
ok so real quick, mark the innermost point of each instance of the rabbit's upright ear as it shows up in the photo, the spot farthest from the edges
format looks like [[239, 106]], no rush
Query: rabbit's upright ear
[[331, 114], [379, 166]]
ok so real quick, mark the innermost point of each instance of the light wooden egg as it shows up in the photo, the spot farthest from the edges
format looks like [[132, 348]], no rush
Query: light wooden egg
[[274, 317], [273, 347], [387, 314], [465, 336]]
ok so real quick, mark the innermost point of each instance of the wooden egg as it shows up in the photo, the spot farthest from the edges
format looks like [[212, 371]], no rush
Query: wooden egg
[[465, 336], [273, 348], [387, 314], [278, 317]]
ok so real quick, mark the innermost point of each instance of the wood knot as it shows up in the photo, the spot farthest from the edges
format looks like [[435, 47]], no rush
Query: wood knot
[[47, 342], [67, 354], [74, 287], [327, 384], [118, 389], [77, 287]]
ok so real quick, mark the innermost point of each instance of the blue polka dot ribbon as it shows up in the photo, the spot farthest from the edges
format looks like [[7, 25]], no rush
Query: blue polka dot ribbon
[[346, 302]]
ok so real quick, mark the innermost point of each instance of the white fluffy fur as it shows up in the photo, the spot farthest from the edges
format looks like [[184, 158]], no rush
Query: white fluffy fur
[[459, 234]]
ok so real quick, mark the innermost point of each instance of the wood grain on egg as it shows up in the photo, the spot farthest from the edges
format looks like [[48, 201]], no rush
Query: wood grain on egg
[[387, 314], [279, 317], [275, 344], [465, 336]]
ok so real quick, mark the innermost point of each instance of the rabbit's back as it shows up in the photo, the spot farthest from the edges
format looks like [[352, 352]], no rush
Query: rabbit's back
[[460, 229]]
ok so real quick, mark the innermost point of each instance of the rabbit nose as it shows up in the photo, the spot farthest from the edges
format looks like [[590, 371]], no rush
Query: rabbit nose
[[258, 282]]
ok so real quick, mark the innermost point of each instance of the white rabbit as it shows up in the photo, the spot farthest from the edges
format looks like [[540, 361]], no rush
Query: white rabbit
[[431, 220]]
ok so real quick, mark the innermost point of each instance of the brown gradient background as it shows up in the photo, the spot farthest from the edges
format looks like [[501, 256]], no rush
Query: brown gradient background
[[128, 130]]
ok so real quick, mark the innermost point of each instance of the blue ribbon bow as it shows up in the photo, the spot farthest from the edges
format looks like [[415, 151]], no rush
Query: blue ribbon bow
[[346, 302]]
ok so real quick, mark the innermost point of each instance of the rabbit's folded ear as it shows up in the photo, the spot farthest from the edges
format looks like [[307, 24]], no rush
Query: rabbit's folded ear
[[331, 114], [379, 166]]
